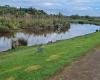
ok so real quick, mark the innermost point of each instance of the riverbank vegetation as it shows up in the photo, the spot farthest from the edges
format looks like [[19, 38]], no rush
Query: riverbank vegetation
[[84, 19], [25, 63], [29, 18]]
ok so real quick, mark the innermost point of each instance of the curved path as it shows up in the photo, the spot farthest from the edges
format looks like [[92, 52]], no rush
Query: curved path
[[87, 68]]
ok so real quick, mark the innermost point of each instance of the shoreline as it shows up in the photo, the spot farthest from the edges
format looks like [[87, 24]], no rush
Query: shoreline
[[49, 43]]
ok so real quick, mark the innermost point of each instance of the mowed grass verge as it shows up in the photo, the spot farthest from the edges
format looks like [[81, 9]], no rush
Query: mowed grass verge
[[24, 63]]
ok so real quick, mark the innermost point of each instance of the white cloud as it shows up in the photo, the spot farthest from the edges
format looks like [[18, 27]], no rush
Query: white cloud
[[48, 4]]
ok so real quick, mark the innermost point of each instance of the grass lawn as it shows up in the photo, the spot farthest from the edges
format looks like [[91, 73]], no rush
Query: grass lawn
[[24, 63]]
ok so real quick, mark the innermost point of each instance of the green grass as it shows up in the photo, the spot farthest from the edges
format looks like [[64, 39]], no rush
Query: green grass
[[24, 63]]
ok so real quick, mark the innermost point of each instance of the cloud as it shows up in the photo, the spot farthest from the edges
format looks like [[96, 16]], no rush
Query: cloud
[[48, 4], [83, 7]]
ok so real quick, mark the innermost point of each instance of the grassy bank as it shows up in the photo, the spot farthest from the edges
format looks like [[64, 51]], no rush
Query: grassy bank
[[25, 63], [85, 21]]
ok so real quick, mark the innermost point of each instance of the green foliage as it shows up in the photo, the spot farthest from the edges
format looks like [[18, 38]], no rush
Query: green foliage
[[8, 23], [4, 10], [36, 22], [14, 18]]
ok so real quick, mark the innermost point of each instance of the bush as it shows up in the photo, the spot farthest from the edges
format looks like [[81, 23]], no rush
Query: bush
[[22, 42]]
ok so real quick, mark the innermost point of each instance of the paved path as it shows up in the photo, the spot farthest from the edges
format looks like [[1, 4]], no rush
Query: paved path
[[87, 68]]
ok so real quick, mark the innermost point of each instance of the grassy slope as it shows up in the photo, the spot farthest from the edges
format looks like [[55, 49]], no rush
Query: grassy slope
[[24, 64]]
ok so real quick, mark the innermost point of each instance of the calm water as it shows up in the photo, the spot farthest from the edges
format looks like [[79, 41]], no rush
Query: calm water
[[34, 39]]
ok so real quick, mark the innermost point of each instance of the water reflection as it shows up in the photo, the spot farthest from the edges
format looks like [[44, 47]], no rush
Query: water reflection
[[7, 34], [47, 36], [5, 43]]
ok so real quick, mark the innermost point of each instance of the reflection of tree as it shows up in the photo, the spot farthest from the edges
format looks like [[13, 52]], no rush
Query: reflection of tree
[[46, 30], [7, 34], [37, 31]]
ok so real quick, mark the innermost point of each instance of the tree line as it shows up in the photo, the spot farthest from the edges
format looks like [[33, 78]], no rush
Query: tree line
[[6, 10]]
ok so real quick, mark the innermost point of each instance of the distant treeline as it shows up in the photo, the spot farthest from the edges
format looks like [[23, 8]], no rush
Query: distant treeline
[[7, 10], [84, 19]]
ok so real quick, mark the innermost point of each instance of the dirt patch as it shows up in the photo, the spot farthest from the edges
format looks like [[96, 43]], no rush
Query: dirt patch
[[11, 78], [87, 68], [53, 57], [33, 68]]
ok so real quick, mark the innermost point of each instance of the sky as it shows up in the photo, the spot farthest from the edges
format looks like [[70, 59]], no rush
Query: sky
[[66, 7]]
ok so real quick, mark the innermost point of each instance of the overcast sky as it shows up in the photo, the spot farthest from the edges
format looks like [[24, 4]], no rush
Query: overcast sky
[[67, 7]]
